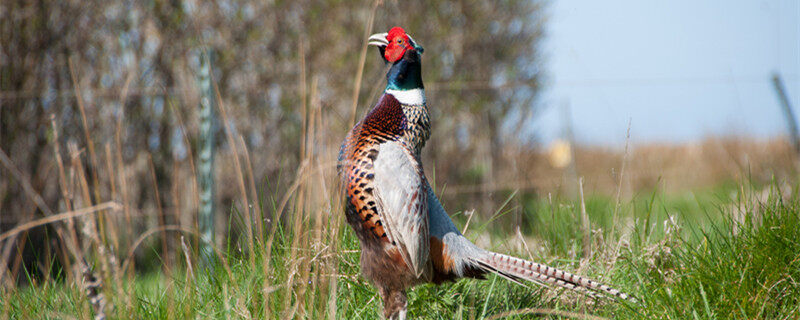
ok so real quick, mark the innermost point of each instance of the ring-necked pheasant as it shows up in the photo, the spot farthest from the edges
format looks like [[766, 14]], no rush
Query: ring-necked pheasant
[[406, 236]]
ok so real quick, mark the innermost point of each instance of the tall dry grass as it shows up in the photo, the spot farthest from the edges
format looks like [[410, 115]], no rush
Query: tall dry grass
[[99, 222]]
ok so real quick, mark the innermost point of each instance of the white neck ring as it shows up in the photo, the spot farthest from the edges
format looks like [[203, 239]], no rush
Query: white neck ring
[[413, 97]]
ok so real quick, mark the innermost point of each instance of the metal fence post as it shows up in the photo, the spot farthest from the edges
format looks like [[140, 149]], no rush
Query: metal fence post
[[208, 129], [788, 113]]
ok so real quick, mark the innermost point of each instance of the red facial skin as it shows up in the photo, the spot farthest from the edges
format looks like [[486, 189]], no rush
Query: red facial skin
[[398, 44]]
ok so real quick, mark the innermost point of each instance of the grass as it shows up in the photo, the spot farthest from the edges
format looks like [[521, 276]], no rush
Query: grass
[[692, 266]]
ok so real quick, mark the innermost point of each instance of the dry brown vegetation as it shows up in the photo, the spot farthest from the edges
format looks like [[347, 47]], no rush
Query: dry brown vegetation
[[679, 167]]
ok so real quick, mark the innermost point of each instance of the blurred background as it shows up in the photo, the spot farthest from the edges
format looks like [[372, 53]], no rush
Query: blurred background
[[102, 102]]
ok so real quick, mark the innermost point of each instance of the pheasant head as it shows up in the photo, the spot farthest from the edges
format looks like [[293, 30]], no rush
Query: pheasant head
[[394, 44], [398, 48]]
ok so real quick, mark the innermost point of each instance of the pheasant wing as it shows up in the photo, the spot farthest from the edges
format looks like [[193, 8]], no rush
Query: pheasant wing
[[402, 200]]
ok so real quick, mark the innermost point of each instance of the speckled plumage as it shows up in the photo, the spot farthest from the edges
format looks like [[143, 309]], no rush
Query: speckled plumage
[[419, 127]]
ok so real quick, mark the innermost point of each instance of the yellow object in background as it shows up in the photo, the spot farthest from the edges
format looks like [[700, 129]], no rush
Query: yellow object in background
[[559, 154]]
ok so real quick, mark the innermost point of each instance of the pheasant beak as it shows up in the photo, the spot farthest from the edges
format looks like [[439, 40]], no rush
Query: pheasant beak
[[378, 39]]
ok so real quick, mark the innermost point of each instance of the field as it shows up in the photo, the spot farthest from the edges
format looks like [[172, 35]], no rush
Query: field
[[128, 128], [684, 256]]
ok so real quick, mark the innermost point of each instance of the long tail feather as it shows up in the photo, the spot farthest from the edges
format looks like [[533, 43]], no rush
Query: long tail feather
[[516, 269]]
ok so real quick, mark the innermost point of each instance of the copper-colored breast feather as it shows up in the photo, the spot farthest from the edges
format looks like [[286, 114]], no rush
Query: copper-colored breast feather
[[383, 123]]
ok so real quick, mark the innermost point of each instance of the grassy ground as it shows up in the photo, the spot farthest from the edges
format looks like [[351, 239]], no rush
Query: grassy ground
[[690, 266]]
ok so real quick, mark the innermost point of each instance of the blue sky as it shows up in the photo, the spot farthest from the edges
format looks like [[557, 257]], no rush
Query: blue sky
[[680, 70]]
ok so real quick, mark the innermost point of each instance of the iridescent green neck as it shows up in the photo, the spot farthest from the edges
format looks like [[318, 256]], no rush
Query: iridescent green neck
[[405, 74]]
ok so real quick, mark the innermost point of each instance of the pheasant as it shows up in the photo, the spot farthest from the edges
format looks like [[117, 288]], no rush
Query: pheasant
[[406, 236]]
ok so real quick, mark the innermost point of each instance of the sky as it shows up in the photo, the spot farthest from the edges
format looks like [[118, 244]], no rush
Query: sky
[[679, 70]]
